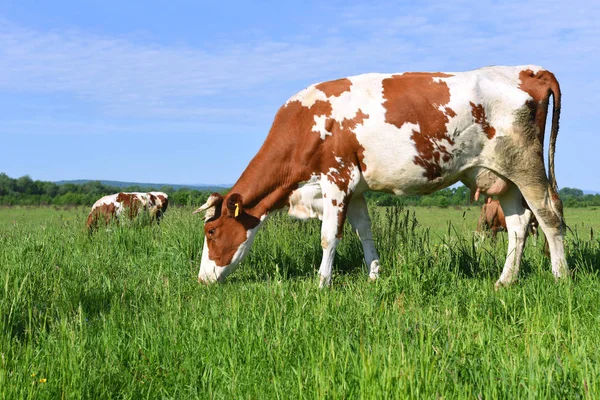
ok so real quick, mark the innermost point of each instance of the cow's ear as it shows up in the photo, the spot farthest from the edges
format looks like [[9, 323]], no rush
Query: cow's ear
[[235, 205]]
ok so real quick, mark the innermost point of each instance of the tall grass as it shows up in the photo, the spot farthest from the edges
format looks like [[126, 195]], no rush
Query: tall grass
[[120, 314]]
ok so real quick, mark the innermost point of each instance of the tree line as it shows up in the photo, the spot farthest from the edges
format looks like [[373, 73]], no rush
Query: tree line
[[26, 191]]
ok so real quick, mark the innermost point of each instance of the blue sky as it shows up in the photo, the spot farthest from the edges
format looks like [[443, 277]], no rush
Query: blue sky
[[102, 89]]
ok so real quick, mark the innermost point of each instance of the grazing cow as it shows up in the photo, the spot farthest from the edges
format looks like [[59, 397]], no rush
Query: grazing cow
[[492, 218], [114, 205], [408, 133]]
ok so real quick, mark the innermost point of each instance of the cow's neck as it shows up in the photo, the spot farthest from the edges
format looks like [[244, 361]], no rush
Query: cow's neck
[[267, 182]]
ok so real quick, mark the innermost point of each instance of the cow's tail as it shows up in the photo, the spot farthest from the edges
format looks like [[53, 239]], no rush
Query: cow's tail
[[554, 90]]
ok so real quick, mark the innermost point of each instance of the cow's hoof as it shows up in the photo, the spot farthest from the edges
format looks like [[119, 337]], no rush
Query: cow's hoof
[[499, 284]]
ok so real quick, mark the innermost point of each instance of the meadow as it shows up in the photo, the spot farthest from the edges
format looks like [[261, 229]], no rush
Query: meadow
[[121, 315]]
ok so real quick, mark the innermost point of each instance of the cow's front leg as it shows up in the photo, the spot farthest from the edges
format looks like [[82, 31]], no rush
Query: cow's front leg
[[358, 216], [329, 241], [334, 214], [337, 193]]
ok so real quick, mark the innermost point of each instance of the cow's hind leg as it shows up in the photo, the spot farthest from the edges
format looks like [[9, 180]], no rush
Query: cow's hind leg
[[517, 221], [358, 216], [548, 210], [336, 198]]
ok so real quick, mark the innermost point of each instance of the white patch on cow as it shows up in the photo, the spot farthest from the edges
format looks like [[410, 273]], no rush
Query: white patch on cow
[[387, 168], [110, 199], [319, 126], [209, 272], [306, 202], [309, 96]]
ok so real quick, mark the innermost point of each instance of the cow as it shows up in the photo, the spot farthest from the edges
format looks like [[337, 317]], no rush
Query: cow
[[409, 133], [492, 218], [115, 205]]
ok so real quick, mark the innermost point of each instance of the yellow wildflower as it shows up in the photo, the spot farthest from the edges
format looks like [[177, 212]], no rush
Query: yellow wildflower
[[43, 380]]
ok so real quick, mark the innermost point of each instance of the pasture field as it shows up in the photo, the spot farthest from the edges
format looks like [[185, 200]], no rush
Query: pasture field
[[120, 314]]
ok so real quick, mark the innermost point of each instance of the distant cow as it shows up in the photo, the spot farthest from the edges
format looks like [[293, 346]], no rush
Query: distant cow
[[492, 218], [129, 204]]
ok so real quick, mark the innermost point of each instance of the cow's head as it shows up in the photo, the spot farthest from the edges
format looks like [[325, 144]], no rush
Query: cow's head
[[157, 204], [228, 233]]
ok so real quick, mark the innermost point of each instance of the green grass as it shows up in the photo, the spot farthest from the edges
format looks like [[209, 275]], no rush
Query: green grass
[[120, 315]]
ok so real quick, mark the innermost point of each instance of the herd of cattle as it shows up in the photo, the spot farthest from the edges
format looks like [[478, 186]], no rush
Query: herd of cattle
[[409, 133]]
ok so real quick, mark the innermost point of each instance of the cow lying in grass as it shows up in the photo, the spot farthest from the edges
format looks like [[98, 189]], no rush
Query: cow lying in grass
[[117, 205]]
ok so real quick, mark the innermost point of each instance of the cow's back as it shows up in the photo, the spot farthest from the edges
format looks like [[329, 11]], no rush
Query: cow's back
[[413, 133]]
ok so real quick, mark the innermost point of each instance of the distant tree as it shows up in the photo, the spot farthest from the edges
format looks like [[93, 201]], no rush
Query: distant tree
[[166, 189], [570, 192]]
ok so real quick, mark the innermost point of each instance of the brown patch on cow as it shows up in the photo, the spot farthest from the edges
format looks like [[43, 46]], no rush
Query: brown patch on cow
[[341, 173], [538, 86], [478, 113], [450, 112], [334, 202], [416, 98], [299, 152], [104, 212], [164, 203], [126, 199], [335, 88], [342, 212], [130, 202]]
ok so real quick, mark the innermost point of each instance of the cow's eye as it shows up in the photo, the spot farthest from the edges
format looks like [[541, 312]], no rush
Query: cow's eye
[[211, 232]]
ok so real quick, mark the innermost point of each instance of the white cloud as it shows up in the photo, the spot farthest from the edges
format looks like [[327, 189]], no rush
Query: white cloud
[[124, 77]]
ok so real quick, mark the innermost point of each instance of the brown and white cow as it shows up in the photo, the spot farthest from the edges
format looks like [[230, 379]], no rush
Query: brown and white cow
[[492, 218], [130, 204], [406, 133]]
